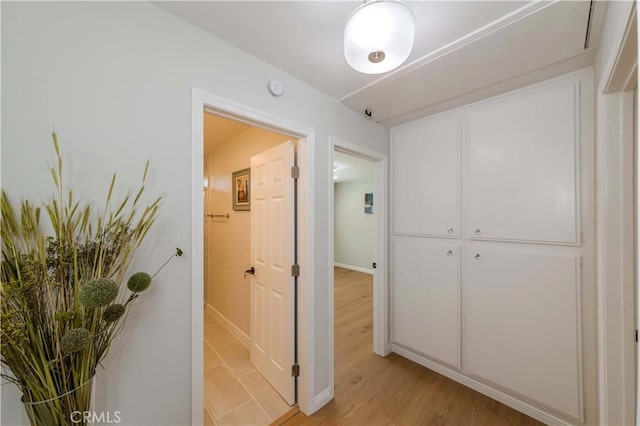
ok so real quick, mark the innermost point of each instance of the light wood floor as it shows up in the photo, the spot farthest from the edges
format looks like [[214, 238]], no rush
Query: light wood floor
[[371, 390]]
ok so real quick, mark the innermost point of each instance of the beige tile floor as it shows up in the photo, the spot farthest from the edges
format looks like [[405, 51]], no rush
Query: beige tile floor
[[235, 394]]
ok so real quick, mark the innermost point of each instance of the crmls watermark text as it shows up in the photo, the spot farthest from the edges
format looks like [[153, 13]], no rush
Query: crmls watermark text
[[103, 417]]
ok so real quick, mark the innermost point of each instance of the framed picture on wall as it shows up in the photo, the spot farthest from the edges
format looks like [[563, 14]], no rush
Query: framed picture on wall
[[241, 184], [368, 203]]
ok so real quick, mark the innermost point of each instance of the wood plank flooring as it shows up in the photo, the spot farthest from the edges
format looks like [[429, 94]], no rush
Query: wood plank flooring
[[371, 390]]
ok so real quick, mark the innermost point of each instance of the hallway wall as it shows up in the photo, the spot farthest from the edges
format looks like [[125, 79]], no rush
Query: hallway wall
[[355, 231], [229, 239], [115, 80]]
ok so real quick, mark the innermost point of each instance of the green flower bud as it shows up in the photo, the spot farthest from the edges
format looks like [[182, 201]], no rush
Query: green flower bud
[[99, 292], [75, 340], [112, 313], [139, 281]]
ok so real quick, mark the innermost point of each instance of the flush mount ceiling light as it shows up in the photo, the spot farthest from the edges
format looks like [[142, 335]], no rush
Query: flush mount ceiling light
[[379, 36]]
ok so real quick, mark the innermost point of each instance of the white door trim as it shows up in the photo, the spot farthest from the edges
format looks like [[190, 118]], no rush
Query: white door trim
[[381, 343], [202, 101], [615, 247]]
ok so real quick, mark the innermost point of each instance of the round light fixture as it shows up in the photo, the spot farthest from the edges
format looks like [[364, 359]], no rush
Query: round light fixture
[[379, 36]]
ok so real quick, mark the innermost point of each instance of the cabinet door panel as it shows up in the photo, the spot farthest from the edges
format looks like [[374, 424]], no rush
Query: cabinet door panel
[[522, 156], [521, 324], [426, 177], [426, 297]]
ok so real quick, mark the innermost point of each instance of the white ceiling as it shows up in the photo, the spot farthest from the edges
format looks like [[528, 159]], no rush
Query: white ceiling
[[463, 50], [348, 168]]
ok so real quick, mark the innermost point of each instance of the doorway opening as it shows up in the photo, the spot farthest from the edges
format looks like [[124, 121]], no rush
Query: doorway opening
[[358, 257], [235, 388], [276, 189]]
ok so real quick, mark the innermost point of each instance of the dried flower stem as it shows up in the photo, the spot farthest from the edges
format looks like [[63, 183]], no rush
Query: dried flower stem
[[178, 253]]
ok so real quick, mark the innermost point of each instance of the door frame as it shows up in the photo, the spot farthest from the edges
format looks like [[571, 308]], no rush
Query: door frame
[[202, 102], [380, 162], [615, 216]]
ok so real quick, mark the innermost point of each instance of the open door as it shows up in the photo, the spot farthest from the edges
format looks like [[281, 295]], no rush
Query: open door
[[272, 256]]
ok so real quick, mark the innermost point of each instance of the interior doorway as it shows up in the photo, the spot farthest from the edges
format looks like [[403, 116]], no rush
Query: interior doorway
[[304, 325], [358, 256], [248, 321]]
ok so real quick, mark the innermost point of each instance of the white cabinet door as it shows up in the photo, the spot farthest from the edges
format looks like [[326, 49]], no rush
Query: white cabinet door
[[523, 166], [426, 297], [522, 324], [426, 171]]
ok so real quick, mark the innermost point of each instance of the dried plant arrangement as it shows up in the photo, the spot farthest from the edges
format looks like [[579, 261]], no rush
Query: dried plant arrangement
[[63, 296]]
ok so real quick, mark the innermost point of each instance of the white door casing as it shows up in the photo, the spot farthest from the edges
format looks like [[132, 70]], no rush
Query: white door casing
[[272, 255]]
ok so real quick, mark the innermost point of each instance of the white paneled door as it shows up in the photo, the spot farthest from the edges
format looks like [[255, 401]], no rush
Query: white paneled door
[[523, 166], [272, 255], [426, 296], [522, 324], [426, 177]]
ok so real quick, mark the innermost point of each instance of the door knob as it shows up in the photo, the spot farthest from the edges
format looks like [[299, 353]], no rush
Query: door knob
[[251, 271], [477, 232], [477, 256], [450, 231], [449, 252]]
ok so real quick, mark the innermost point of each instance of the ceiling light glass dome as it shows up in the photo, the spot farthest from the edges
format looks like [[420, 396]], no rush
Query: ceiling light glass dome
[[379, 36]]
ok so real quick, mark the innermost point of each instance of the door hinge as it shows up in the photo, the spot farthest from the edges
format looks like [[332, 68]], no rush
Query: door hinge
[[295, 172], [295, 270], [295, 370], [636, 336]]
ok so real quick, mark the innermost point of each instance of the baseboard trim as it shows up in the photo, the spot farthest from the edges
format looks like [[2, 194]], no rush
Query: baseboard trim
[[354, 268], [502, 397], [233, 329]]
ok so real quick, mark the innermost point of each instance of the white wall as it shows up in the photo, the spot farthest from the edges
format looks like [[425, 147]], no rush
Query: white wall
[[355, 231], [229, 239], [115, 80]]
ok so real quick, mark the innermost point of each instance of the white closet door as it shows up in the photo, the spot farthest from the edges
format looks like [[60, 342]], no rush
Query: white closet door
[[522, 324], [523, 166], [426, 297], [425, 160]]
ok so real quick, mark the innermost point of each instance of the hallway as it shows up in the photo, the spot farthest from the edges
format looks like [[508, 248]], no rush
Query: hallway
[[371, 390]]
